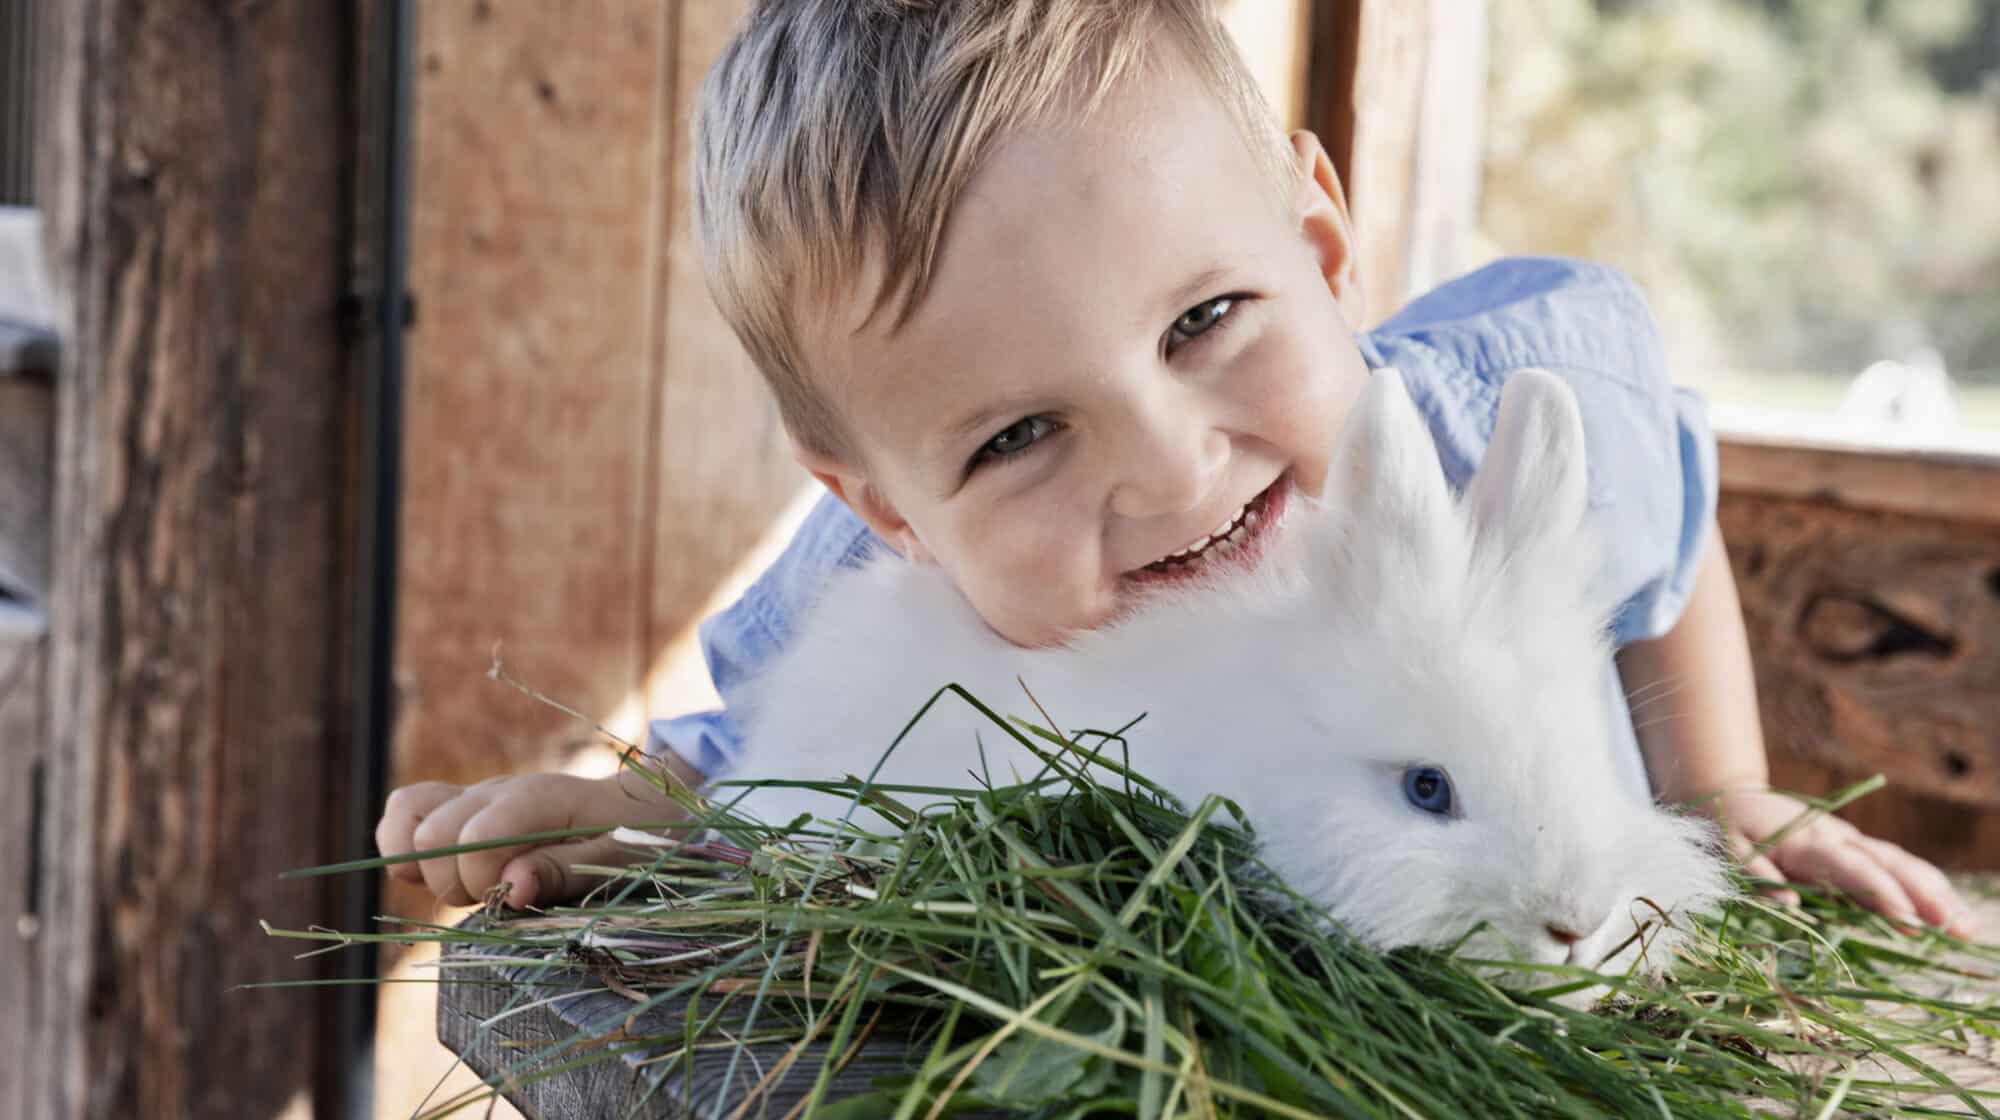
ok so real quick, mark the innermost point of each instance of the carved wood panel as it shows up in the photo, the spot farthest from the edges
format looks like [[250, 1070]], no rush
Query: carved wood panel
[[1876, 636]]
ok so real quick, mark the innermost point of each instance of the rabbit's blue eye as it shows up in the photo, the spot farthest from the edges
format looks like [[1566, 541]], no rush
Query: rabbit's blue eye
[[1428, 788]]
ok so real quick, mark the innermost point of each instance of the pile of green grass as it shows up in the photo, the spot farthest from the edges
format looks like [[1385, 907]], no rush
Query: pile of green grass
[[1067, 947]]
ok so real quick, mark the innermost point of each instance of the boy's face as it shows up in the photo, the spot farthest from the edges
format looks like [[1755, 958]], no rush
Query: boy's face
[[1128, 343]]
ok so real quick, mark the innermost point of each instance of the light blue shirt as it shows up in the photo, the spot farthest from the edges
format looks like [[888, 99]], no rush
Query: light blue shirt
[[1651, 461]]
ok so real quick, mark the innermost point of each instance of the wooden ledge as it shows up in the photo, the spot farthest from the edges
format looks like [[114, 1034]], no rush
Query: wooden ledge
[[534, 1006], [1960, 482]]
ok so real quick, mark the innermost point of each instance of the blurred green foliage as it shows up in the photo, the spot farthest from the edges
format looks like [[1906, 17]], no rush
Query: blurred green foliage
[[1799, 184]]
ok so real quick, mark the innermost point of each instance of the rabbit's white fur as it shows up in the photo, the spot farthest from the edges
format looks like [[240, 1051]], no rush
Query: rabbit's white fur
[[1388, 625]]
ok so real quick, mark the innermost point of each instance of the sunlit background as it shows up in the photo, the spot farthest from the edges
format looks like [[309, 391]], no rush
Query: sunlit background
[[1806, 188]]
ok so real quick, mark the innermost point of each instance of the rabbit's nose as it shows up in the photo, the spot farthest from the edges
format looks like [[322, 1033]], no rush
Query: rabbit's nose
[[1563, 934]]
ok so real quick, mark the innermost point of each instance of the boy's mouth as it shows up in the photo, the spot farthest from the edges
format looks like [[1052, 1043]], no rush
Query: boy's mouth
[[1238, 540]]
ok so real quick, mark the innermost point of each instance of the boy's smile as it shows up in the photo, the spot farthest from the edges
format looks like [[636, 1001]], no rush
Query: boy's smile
[[1236, 543], [1131, 355]]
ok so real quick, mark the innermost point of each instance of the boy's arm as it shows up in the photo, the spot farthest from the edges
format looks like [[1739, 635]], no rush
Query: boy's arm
[[1694, 705]]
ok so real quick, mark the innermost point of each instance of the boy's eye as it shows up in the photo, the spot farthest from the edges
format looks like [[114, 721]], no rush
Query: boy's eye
[[1198, 319], [1017, 437]]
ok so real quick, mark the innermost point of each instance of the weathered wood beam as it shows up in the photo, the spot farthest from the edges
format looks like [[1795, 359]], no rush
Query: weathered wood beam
[[1396, 93], [545, 1007], [198, 189], [1876, 635], [1944, 484]]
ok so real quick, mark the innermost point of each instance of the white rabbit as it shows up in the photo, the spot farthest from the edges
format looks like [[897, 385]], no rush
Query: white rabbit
[[1406, 698]]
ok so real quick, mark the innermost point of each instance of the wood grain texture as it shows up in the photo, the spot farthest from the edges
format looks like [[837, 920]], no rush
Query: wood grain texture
[[1876, 637], [583, 1009], [490, 1017], [1397, 96], [533, 229], [1275, 39], [1386, 100], [1955, 487], [196, 185], [23, 653]]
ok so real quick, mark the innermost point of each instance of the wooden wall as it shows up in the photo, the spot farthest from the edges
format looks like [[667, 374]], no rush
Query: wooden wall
[[589, 453]]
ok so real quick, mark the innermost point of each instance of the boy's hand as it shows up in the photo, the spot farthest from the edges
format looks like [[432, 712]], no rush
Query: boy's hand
[[441, 815], [1880, 875]]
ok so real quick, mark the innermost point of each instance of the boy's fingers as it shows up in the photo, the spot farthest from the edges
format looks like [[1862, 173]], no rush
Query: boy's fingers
[[1937, 903], [544, 876], [395, 833], [441, 829], [501, 818], [1761, 867], [1855, 870]]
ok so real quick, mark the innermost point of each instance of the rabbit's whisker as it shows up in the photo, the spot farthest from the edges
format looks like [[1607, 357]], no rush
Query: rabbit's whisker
[[1656, 698], [1657, 720], [1671, 684]]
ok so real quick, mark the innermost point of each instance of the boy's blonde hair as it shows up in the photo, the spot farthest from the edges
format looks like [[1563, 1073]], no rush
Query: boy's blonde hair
[[830, 130]]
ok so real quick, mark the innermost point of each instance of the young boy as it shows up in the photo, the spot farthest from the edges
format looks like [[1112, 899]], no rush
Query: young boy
[[1045, 297]]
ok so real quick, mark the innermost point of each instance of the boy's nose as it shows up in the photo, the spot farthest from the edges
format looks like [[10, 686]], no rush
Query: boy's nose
[[1171, 467]]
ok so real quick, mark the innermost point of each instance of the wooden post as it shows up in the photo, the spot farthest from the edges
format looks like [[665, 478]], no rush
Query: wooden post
[[1397, 94], [197, 185]]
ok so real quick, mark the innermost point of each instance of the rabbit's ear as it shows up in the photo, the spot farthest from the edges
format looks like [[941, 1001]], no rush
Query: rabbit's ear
[[1386, 472], [1531, 489]]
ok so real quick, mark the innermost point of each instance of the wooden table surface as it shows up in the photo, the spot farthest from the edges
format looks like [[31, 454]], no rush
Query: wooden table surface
[[539, 1007]]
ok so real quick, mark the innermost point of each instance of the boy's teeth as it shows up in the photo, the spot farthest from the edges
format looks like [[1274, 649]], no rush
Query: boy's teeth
[[1223, 535]]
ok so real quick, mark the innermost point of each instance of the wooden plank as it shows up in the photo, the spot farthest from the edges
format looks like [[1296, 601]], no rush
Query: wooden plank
[[537, 146], [1275, 38], [197, 161], [1876, 637], [564, 1003], [1397, 96], [1387, 104], [1443, 203], [1954, 485], [23, 653]]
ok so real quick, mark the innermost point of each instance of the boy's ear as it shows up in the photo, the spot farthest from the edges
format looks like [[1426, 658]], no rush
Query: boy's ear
[[1323, 218], [850, 484]]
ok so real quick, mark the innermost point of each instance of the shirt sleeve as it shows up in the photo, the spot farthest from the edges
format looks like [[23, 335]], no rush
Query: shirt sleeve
[[1676, 528], [741, 640]]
